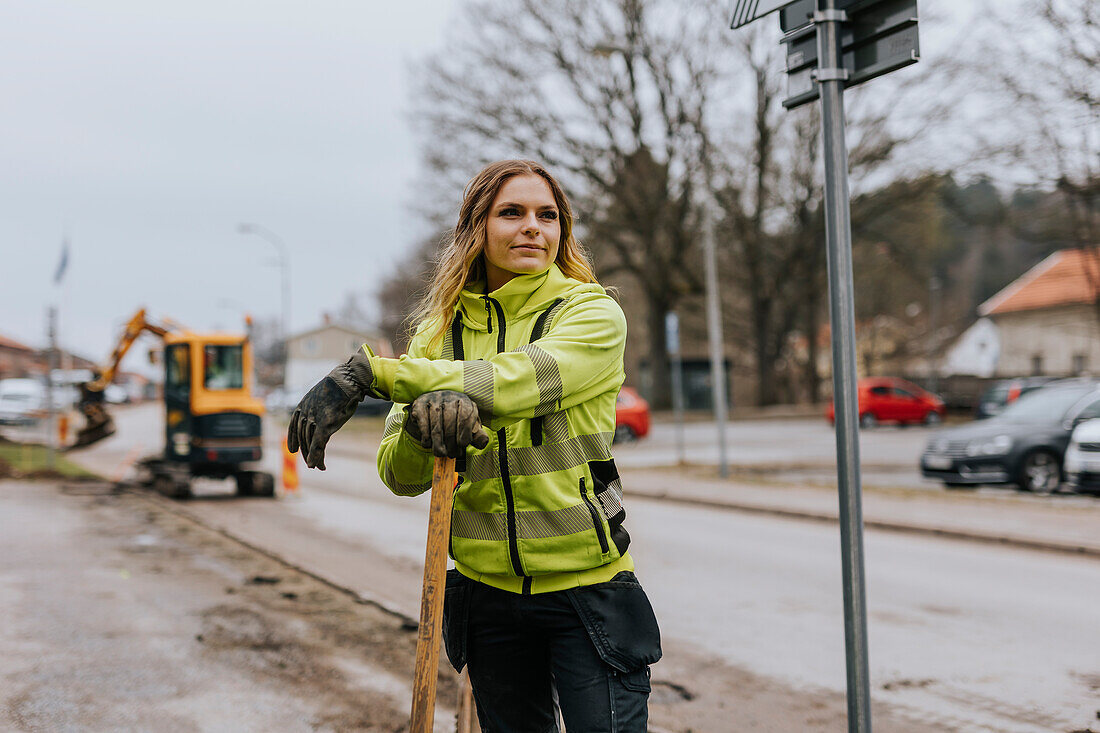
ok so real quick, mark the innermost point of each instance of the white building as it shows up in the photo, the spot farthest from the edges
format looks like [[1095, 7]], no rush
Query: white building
[[313, 354], [975, 352], [1048, 319]]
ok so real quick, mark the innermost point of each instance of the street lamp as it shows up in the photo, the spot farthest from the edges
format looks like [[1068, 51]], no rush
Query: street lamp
[[284, 264]]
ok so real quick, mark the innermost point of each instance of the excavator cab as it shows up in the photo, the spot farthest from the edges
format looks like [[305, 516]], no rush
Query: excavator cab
[[212, 422]]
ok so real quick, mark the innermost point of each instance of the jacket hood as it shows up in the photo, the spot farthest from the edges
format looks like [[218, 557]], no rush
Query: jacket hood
[[520, 296]]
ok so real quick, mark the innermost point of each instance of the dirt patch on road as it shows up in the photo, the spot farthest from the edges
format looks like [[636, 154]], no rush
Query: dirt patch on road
[[139, 618], [291, 630]]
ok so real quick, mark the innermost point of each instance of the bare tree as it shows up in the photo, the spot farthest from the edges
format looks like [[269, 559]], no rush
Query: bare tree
[[615, 96], [1051, 90], [399, 292], [771, 194], [651, 110]]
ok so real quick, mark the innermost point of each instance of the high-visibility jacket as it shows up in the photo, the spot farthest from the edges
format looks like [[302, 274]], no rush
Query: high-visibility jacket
[[540, 508]]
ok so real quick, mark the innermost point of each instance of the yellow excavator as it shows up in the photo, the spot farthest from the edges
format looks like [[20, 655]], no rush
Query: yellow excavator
[[213, 424]]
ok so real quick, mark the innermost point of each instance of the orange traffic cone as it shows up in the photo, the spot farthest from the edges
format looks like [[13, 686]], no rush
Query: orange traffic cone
[[290, 470]]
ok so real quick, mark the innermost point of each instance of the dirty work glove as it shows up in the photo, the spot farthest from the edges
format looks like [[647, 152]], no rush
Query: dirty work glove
[[326, 408], [446, 422]]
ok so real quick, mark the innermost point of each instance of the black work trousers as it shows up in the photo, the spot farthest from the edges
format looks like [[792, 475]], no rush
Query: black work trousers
[[589, 649]]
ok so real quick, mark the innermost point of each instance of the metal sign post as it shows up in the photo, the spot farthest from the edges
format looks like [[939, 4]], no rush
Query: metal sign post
[[838, 242], [833, 44]]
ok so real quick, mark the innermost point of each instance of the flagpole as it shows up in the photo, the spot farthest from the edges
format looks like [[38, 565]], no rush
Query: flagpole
[[52, 361]]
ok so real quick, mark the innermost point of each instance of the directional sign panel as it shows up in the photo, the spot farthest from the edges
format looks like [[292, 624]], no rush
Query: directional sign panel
[[746, 11], [879, 37]]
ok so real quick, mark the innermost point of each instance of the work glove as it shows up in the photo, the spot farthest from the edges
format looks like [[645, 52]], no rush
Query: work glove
[[327, 406], [445, 422]]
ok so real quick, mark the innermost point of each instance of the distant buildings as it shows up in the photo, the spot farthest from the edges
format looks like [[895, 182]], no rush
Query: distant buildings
[[19, 360], [1048, 320], [313, 354]]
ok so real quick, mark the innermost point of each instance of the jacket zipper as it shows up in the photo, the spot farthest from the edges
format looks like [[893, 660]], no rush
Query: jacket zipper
[[489, 316], [502, 453], [513, 543], [596, 521], [500, 322]]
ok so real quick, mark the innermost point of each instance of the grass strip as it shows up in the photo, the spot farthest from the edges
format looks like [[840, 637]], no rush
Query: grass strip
[[31, 460]]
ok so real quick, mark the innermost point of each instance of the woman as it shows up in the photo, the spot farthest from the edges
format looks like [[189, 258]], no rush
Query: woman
[[515, 335]]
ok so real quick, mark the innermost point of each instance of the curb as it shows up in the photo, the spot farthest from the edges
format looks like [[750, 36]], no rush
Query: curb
[[914, 529]]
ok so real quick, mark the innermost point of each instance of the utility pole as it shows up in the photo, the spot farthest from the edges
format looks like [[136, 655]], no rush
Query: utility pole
[[933, 325], [714, 336], [672, 346], [284, 265]]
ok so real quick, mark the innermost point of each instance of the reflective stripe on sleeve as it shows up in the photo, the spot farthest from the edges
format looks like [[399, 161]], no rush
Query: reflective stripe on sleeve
[[547, 377], [477, 383], [448, 346], [404, 489], [393, 425]]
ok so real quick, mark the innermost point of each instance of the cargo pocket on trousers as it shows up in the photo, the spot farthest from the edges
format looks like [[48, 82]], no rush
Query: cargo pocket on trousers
[[456, 612], [621, 624], [638, 680]]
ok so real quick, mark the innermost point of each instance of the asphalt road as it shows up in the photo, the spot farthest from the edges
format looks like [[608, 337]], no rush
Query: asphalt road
[[962, 636]]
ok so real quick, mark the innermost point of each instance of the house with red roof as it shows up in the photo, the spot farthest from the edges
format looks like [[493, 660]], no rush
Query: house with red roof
[[1048, 319], [19, 360]]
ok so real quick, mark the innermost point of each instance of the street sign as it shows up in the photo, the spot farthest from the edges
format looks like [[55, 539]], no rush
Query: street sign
[[746, 11], [878, 38]]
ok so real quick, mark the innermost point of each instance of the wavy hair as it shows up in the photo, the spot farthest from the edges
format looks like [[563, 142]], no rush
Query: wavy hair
[[461, 258]]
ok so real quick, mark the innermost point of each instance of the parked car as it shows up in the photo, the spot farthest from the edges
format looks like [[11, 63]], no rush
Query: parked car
[[1082, 463], [1005, 392], [1024, 445], [22, 401], [631, 415], [889, 399]]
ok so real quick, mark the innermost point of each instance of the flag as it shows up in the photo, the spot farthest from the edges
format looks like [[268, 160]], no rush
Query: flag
[[63, 264]]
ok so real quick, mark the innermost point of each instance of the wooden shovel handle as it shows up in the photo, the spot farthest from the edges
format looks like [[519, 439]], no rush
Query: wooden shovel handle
[[431, 601]]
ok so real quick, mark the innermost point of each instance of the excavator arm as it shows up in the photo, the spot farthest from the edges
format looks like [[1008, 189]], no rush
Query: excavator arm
[[98, 423]]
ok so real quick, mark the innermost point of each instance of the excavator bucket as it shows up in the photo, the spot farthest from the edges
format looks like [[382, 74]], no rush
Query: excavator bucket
[[98, 423]]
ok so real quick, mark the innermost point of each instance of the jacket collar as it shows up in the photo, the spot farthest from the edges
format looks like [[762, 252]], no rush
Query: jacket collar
[[518, 297]]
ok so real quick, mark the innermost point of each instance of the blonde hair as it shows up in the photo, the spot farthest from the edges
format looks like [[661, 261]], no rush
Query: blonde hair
[[461, 259]]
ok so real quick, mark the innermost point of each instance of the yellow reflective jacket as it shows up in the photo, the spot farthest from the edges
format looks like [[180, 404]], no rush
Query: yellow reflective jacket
[[540, 508]]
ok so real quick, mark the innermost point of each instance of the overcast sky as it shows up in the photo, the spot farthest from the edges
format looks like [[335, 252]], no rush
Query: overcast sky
[[145, 132]]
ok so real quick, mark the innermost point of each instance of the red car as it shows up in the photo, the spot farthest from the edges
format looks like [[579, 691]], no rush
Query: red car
[[889, 399], [631, 415]]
